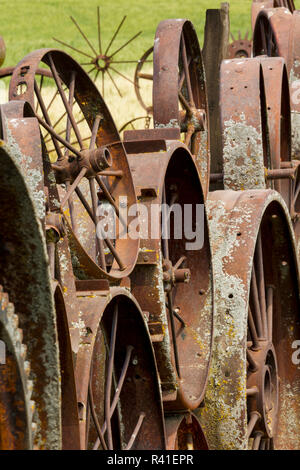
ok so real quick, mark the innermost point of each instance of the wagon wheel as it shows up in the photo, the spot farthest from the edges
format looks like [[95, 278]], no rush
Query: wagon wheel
[[257, 321], [184, 433], [122, 401], [140, 76], [271, 33], [179, 93], [257, 6], [17, 408], [83, 142], [102, 61], [167, 281]]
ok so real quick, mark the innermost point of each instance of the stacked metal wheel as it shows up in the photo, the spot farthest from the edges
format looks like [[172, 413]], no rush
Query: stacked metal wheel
[[139, 338]]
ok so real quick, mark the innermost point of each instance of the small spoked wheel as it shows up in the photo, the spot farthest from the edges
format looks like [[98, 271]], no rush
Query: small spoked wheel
[[88, 160]]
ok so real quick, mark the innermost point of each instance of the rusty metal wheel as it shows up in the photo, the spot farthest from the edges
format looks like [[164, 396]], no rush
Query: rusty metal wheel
[[16, 407], [179, 91], [89, 162], [140, 76], [118, 391], [25, 277], [252, 397], [184, 433], [258, 5], [271, 33], [173, 280], [257, 138]]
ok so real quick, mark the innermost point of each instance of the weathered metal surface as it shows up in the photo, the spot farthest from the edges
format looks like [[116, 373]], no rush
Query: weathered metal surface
[[174, 170], [294, 78], [25, 276], [244, 124], [17, 408], [179, 81], [271, 32], [140, 392], [237, 221]]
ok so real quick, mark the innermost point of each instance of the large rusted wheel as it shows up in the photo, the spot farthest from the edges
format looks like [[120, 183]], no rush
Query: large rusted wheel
[[271, 33], [25, 277], [89, 163], [257, 139], [252, 400], [258, 5], [179, 91], [118, 391], [173, 280], [17, 408]]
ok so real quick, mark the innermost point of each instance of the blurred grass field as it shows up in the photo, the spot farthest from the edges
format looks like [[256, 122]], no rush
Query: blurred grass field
[[31, 24], [27, 25]]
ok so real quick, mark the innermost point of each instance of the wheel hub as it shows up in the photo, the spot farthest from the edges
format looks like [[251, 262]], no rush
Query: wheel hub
[[262, 389]]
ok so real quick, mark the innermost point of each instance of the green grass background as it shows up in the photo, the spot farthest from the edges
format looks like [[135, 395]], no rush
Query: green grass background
[[30, 24]]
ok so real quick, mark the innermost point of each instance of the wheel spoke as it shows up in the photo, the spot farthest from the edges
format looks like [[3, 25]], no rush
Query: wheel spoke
[[129, 350], [136, 431], [83, 35], [261, 284], [55, 137], [115, 35], [114, 83], [186, 70], [254, 417], [126, 43], [95, 419], [65, 101], [47, 124], [74, 48], [257, 312], [270, 297], [94, 132], [71, 209], [73, 186], [109, 376], [253, 332], [257, 440], [171, 315], [71, 98], [99, 241]]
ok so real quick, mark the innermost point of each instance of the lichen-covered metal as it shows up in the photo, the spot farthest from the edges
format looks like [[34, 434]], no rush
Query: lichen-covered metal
[[257, 320], [25, 276], [246, 148], [179, 92]]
